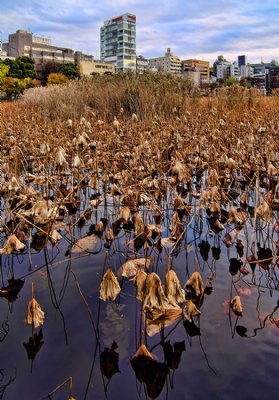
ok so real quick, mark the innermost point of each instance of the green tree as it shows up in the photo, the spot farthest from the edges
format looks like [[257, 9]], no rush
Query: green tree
[[69, 70], [21, 67], [4, 69], [56, 79], [231, 81]]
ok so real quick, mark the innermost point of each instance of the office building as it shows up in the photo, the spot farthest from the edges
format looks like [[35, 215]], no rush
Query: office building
[[167, 63], [199, 65], [118, 42], [241, 60]]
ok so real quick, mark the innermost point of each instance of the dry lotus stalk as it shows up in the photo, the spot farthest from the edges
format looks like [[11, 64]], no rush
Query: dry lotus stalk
[[173, 289], [140, 282], [109, 288], [154, 295], [195, 283], [12, 244], [236, 305], [131, 267], [190, 310]]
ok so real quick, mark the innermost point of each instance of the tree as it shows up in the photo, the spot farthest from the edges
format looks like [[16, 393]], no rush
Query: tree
[[12, 87], [56, 79], [4, 69], [49, 68], [21, 67], [69, 70], [231, 81]]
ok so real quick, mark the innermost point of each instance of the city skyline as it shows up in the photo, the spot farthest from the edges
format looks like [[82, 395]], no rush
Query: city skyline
[[200, 30]]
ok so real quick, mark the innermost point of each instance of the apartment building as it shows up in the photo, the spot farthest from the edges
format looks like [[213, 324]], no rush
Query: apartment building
[[118, 42], [167, 63], [199, 65]]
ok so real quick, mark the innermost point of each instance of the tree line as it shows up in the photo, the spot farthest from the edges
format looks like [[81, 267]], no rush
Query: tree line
[[17, 75]]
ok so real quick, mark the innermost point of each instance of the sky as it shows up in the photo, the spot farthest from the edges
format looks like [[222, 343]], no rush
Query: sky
[[200, 29]]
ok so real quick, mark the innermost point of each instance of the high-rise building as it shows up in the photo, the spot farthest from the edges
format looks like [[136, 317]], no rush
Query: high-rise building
[[118, 42], [242, 60]]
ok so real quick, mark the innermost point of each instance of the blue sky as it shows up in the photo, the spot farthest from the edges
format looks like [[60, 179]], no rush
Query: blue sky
[[191, 28]]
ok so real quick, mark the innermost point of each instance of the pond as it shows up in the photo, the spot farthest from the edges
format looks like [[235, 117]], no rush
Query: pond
[[86, 347]]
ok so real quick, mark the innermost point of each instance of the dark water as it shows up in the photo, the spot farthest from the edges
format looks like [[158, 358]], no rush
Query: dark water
[[226, 357]]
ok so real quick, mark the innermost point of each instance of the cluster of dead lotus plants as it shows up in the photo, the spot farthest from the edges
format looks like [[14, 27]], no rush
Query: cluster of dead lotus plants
[[205, 169]]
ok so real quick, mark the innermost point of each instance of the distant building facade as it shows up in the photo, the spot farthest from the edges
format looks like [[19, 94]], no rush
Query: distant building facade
[[199, 65], [142, 64], [118, 42], [167, 63], [191, 73], [87, 68]]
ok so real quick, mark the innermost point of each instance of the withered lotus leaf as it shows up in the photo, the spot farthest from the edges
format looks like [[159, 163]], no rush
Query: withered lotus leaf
[[109, 288], [264, 212], [140, 282], [195, 284], [154, 295], [236, 305], [190, 310], [12, 244], [156, 320], [125, 214], [173, 353], [131, 267], [85, 243], [149, 371], [109, 361], [173, 289], [35, 314]]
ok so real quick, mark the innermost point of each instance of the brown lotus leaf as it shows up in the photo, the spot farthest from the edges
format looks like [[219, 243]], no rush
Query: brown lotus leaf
[[236, 305], [154, 295], [173, 289], [131, 267], [237, 217], [138, 224], [140, 282], [161, 319], [109, 287], [168, 242], [54, 237], [125, 214], [195, 283], [227, 240], [190, 310], [85, 243], [35, 314], [143, 352], [264, 212], [12, 244]]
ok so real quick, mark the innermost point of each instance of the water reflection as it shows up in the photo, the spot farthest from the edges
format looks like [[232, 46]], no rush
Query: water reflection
[[7, 377]]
